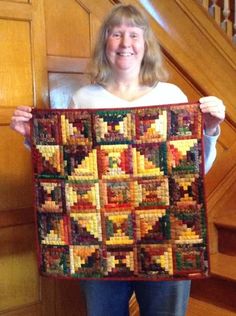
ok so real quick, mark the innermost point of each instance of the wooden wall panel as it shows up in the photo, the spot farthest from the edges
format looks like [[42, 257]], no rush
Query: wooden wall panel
[[95, 24], [16, 79], [15, 182], [19, 285], [22, 81], [69, 298], [19, 1], [177, 77], [67, 29]]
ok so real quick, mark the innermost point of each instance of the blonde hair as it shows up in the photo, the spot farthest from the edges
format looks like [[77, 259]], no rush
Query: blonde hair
[[151, 70]]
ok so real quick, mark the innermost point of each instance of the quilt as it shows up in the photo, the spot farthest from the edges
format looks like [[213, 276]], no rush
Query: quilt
[[119, 193]]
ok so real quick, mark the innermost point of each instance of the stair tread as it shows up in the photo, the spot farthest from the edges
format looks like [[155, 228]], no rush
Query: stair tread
[[228, 221], [197, 307], [223, 266]]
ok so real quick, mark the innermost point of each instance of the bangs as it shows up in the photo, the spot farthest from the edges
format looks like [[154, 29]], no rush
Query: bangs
[[128, 17]]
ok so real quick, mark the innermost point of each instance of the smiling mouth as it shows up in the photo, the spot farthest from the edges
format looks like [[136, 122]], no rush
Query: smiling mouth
[[125, 54]]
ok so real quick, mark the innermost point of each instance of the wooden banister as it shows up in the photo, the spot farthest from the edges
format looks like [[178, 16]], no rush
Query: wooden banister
[[223, 11]]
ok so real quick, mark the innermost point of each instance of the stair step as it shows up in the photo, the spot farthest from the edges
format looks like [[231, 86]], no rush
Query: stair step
[[216, 295], [197, 307], [217, 291], [227, 241], [223, 266], [228, 221], [226, 227]]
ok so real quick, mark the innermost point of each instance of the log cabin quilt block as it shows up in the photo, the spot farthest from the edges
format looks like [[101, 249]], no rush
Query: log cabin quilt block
[[119, 193]]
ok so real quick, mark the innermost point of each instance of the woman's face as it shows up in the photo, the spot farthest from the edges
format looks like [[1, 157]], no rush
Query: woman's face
[[125, 48]]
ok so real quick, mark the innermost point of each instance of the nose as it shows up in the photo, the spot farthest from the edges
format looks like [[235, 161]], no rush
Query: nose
[[125, 40]]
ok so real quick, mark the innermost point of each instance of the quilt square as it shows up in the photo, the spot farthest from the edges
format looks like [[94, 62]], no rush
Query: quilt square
[[53, 229], [86, 261], [49, 161], [119, 228], [113, 127], [151, 125], [46, 129], [120, 262], [114, 161], [82, 197], [151, 193], [80, 163], [76, 128], [116, 194], [50, 196], [152, 226], [185, 190], [184, 156], [188, 226], [155, 260], [184, 122], [85, 228], [55, 260], [150, 160], [188, 258], [119, 193]]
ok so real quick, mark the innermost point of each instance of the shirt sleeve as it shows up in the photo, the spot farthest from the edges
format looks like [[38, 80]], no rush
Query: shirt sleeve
[[27, 143], [210, 149]]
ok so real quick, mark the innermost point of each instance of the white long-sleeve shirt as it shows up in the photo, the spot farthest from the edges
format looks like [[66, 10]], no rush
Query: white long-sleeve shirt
[[95, 96]]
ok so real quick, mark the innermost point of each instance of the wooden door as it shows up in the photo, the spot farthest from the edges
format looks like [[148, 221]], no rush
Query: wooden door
[[23, 80], [44, 50]]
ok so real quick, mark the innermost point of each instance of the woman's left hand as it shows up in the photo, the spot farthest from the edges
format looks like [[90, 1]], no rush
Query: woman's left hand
[[214, 113]]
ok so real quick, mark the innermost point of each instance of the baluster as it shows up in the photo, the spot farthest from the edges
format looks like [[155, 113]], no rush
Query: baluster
[[227, 25], [215, 11], [204, 3], [234, 37]]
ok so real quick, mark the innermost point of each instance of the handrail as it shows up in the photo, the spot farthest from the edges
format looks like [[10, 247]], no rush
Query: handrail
[[224, 14]]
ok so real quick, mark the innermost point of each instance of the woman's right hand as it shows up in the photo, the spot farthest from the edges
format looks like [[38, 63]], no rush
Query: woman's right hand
[[20, 120]]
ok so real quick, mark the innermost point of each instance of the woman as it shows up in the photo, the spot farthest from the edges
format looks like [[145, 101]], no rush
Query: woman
[[127, 72]]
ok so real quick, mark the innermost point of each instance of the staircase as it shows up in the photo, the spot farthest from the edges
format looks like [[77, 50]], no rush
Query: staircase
[[215, 296], [219, 291], [223, 11]]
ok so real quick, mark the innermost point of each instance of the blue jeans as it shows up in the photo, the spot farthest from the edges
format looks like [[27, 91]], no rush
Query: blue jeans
[[111, 298]]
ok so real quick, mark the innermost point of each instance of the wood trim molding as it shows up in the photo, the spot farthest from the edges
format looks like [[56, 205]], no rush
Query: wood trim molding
[[221, 171], [221, 191], [92, 7], [14, 10], [184, 73], [16, 217], [39, 61], [25, 310], [67, 64]]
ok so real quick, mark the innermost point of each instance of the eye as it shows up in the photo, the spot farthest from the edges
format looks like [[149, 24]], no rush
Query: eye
[[134, 35], [115, 34]]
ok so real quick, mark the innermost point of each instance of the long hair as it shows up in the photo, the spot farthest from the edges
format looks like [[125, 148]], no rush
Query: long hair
[[151, 70]]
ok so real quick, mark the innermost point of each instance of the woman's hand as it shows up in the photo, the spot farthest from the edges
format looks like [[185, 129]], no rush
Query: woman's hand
[[20, 120], [214, 113]]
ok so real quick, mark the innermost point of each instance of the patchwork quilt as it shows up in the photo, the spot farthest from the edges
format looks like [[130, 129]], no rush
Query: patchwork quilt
[[119, 193]]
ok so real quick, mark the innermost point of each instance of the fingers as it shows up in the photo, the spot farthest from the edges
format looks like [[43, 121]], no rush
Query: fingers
[[24, 108], [213, 106], [23, 112], [20, 120]]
